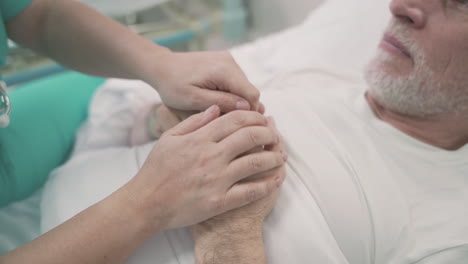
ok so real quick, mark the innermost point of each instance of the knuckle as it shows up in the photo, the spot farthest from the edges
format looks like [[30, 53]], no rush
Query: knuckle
[[224, 100], [272, 136], [239, 118], [259, 118], [246, 118], [253, 137], [279, 159], [270, 186], [251, 195], [255, 94], [207, 157], [214, 155], [218, 204], [194, 100], [255, 163]]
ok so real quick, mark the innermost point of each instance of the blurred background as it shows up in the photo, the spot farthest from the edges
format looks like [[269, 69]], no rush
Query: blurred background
[[182, 25]]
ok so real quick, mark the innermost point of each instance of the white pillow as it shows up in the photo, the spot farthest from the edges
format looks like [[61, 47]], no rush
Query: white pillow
[[338, 36]]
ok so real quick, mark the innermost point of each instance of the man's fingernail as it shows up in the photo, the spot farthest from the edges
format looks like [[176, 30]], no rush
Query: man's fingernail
[[285, 155], [242, 105]]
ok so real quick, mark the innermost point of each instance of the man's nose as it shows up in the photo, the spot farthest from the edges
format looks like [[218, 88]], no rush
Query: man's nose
[[410, 11]]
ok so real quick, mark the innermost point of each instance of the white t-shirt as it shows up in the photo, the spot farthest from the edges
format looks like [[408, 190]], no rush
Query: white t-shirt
[[357, 189]]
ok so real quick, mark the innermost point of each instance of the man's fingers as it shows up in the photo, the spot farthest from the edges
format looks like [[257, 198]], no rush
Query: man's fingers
[[230, 123], [279, 172], [182, 115], [243, 193], [195, 122], [253, 164], [246, 139], [160, 120]]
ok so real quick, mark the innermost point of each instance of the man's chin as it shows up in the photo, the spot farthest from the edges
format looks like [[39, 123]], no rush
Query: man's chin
[[413, 95], [389, 90]]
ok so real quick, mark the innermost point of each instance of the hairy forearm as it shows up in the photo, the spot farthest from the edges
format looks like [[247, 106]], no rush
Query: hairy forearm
[[107, 232], [234, 243], [82, 39]]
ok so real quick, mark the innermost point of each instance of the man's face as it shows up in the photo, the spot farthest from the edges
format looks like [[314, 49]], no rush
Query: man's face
[[422, 63]]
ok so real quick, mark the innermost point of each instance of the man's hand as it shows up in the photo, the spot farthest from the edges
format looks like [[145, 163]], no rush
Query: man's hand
[[236, 236], [196, 80], [196, 170]]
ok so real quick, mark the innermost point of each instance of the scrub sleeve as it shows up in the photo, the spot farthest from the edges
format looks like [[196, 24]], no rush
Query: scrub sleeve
[[45, 116]]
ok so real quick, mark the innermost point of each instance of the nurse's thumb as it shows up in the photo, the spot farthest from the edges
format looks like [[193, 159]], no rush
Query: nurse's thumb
[[196, 121]]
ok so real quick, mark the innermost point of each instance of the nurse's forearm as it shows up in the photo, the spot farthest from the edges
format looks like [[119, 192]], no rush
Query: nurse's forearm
[[82, 39], [106, 233]]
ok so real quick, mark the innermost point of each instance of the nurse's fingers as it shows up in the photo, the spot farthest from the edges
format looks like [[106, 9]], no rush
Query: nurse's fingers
[[254, 164], [243, 193], [246, 139], [229, 123], [195, 122]]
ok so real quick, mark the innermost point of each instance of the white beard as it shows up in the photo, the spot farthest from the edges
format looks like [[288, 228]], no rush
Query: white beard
[[419, 93]]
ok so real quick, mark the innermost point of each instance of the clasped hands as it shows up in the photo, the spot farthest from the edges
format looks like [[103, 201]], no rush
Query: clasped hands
[[235, 156]]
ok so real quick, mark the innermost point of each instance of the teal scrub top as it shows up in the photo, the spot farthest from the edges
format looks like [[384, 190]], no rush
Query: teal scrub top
[[45, 116]]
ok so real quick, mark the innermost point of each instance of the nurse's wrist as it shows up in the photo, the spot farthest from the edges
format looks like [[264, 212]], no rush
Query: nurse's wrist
[[145, 220], [153, 64]]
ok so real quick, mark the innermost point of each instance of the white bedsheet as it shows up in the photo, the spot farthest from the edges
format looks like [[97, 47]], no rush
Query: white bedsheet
[[303, 225], [357, 190]]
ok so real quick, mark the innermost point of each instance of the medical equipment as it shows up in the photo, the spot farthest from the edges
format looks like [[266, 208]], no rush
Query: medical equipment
[[121, 7], [5, 107]]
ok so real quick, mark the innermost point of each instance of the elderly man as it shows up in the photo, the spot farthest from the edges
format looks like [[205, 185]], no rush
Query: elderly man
[[379, 177]]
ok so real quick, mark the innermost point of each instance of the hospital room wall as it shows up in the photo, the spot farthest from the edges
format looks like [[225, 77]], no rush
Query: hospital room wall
[[268, 16]]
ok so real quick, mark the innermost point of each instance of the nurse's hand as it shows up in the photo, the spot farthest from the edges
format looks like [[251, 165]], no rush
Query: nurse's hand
[[195, 171], [238, 234], [156, 119], [196, 80]]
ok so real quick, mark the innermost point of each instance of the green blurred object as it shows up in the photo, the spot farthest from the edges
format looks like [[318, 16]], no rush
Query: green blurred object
[[45, 116]]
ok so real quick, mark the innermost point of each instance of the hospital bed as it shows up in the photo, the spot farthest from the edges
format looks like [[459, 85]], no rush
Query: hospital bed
[[338, 35]]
